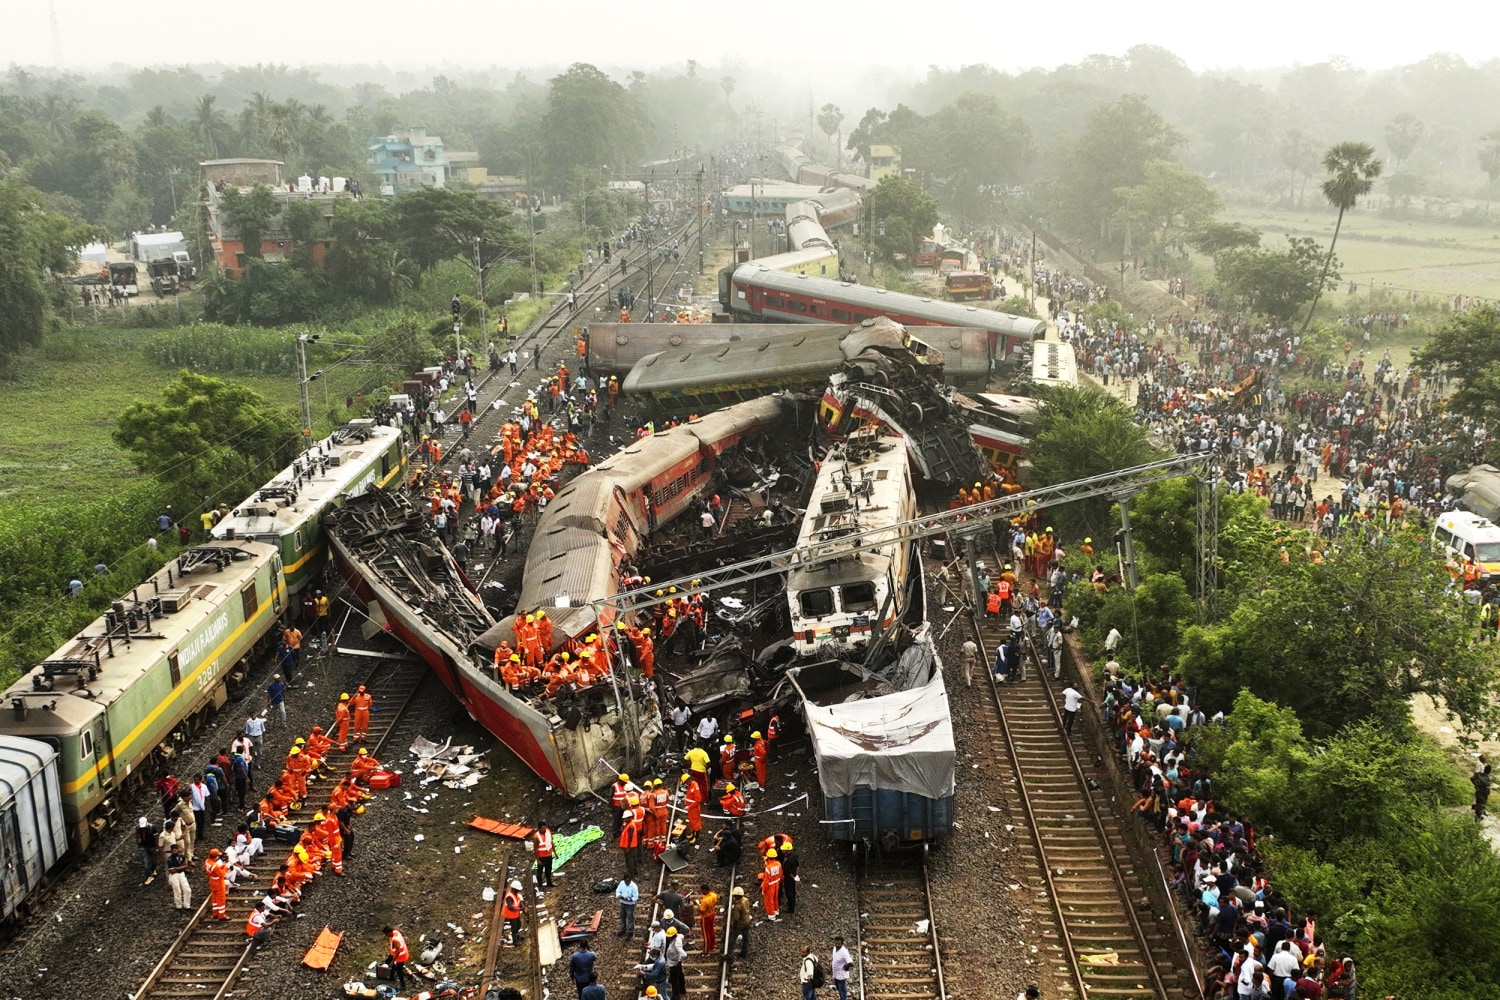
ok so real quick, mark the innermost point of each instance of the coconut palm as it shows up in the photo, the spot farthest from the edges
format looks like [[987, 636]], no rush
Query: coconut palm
[[1352, 169], [209, 126]]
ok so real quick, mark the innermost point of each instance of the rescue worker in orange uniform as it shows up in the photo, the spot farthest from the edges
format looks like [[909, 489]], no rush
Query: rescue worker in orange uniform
[[770, 885], [773, 733], [362, 702], [660, 807], [318, 746], [727, 759], [297, 766], [333, 839], [542, 835], [544, 630], [363, 765], [633, 822], [645, 652], [759, 752], [218, 884], [692, 799], [511, 909], [619, 797], [733, 801], [341, 720]]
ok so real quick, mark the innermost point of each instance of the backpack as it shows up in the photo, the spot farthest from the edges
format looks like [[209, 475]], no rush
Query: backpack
[[818, 979]]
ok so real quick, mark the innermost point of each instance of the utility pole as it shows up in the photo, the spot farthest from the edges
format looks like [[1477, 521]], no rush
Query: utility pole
[[479, 282], [302, 340], [1033, 265], [701, 212]]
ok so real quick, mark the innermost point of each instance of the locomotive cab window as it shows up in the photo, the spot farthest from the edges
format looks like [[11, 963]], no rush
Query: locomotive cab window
[[816, 603], [86, 745], [175, 667], [250, 601], [859, 596]]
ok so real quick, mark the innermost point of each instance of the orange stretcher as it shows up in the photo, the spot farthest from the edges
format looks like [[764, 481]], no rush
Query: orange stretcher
[[501, 829], [320, 955]]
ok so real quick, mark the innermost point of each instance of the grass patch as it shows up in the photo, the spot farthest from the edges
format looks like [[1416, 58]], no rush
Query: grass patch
[[1410, 254]]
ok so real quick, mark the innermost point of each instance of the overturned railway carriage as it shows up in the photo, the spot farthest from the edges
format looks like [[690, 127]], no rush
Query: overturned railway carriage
[[756, 293], [799, 359], [160, 660], [287, 511], [599, 521], [1054, 364], [617, 347]]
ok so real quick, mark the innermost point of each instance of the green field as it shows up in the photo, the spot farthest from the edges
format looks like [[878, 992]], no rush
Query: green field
[[1430, 257], [56, 417]]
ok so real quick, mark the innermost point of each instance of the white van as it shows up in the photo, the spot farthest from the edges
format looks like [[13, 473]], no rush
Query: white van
[[1463, 536]]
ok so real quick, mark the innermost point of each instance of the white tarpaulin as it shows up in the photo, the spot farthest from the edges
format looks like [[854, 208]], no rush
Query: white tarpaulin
[[899, 742]]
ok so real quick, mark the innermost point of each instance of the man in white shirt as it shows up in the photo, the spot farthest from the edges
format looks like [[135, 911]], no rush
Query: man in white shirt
[[1072, 702], [839, 963], [255, 728], [1111, 641], [708, 728]]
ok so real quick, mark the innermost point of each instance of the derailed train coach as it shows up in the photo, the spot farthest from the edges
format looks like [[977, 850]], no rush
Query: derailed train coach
[[33, 832]]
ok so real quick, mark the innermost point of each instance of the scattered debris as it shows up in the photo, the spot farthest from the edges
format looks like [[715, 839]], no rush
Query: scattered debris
[[455, 767]]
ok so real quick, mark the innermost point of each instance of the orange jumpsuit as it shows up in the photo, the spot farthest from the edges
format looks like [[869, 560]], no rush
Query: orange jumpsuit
[[645, 654], [341, 721], [362, 703], [760, 750], [692, 797], [726, 761], [335, 842], [661, 806], [218, 887], [297, 765], [733, 803], [363, 767], [770, 887]]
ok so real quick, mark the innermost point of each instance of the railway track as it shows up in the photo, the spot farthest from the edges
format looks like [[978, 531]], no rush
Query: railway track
[[898, 954], [209, 956], [1101, 949]]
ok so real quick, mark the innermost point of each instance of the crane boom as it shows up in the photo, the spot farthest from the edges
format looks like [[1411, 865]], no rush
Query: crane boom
[[961, 522]]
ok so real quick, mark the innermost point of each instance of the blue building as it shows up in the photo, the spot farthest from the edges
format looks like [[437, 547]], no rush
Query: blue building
[[411, 160]]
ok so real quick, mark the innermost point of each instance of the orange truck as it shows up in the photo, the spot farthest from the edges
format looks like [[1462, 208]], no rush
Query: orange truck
[[962, 285]]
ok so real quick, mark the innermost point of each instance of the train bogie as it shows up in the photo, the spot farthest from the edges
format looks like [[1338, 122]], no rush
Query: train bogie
[[33, 833]]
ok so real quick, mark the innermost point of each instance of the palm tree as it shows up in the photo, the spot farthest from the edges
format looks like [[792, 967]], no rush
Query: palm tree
[[157, 117], [1489, 161], [209, 125], [1352, 169]]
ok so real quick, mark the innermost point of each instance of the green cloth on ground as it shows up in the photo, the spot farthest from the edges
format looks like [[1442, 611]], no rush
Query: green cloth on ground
[[564, 847]]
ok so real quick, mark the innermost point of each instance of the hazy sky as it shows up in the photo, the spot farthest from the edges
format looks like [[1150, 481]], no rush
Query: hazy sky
[[646, 33]]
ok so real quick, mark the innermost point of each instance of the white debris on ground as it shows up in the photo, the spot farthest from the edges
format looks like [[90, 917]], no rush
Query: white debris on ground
[[453, 766]]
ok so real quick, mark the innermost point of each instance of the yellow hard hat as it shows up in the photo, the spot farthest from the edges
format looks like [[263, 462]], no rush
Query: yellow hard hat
[[976, 486], [685, 777], [651, 991], [299, 741], [694, 583], [344, 696], [515, 657], [319, 816], [661, 593], [1088, 541], [729, 787], [671, 590], [755, 735], [541, 613], [295, 752], [772, 853], [624, 776], [671, 932], [531, 618], [645, 631], [363, 752], [566, 657], [729, 739], [635, 800]]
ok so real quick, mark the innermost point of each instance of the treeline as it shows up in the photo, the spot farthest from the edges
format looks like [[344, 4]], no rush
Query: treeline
[[1315, 654]]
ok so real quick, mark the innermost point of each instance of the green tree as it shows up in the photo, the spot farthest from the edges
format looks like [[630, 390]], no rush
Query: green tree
[[590, 121], [437, 224], [1352, 169], [1080, 433], [1169, 199], [1466, 351], [210, 127], [205, 432], [1219, 238], [1299, 154], [1403, 133], [96, 165], [35, 242], [1489, 161], [900, 214], [829, 120], [1118, 140], [250, 216], [1277, 283], [977, 147], [1348, 639]]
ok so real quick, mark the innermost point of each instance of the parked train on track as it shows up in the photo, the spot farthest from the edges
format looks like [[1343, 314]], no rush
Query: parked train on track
[[92, 722]]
